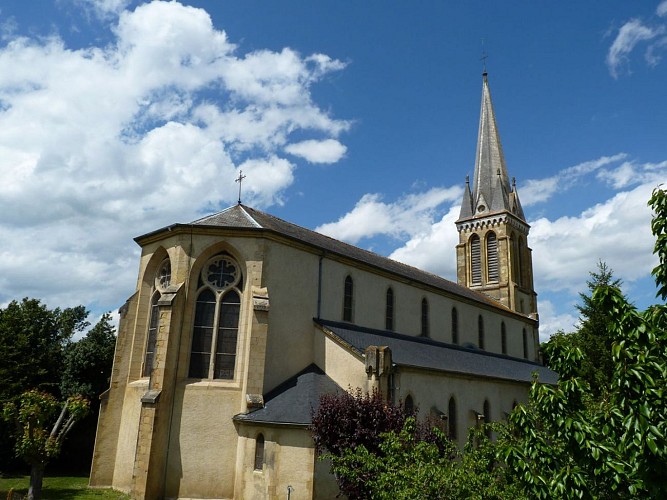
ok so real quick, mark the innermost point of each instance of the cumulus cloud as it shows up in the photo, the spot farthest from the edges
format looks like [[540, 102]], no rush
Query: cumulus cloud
[[102, 143], [327, 151], [409, 216], [629, 36]]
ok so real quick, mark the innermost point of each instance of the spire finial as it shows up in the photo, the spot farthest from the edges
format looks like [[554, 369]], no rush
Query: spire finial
[[483, 58], [240, 181], [467, 179]]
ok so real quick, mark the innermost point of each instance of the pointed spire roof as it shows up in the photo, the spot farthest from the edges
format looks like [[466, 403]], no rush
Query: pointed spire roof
[[491, 189]]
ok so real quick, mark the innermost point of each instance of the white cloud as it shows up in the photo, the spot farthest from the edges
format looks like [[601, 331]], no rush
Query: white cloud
[[100, 144], [629, 35], [434, 250], [616, 232], [411, 215], [661, 10], [540, 190], [327, 151], [552, 321]]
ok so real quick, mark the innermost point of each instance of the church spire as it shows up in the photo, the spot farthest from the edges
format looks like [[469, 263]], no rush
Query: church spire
[[493, 256], [491, 190]]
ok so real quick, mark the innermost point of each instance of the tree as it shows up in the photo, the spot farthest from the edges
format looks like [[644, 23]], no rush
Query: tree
[[32, 341], [31, 418], [346, 420], [87, 363], [592, 336], [564, 443], [407, 466]]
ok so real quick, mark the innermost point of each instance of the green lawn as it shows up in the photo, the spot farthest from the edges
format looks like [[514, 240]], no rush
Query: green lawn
[[59, 488]]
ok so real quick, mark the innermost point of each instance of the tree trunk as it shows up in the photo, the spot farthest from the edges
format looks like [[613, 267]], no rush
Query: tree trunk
[[36, 476]]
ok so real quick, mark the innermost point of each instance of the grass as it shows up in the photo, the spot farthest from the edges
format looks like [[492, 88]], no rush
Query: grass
[[59, 488]]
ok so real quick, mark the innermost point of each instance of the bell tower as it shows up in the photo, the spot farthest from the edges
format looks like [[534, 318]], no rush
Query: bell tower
[[493, 256]]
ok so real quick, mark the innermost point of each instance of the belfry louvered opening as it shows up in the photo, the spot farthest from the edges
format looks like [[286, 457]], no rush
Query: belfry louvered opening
[[492, 257], [476, 260]]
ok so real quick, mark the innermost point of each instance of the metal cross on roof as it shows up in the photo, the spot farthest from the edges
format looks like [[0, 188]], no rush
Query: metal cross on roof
[[240, 181]]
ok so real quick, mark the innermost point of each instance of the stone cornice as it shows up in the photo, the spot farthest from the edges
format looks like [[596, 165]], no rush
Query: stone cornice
[[492, 220]]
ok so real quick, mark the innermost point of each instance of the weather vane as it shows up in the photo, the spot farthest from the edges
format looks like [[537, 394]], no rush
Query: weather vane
[[240, 181]]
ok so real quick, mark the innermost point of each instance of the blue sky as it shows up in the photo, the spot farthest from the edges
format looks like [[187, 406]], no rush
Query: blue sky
[[358, 119]]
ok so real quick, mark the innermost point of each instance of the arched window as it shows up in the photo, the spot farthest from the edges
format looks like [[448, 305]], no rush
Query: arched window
[[152, 335], [259, 452], [451, 419], [424, 329], [348, 295], [216, 324], [409, 405], [389, 316], [487, 417], [455, 326], [503, 337], [492, 257], [162, 282], [480, 331], [475, 260], [525, 344]]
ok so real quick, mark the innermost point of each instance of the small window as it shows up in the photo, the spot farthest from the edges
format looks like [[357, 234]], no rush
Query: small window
[[424, 329], [525, 344], [348, 295], [520, 278], [503, 337], [476, 260], [492, 257], [480, 331], [487, 417], [152, 335], [451, 419], [455, 326], [389, 317], [409, 405], [259, 452]]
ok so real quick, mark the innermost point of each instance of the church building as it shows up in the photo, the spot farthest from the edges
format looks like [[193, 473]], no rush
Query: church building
[[241, 320]]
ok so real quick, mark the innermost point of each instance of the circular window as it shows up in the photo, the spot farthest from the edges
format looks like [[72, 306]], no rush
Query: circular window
[[163, 276], [481, 208], [221, 272]]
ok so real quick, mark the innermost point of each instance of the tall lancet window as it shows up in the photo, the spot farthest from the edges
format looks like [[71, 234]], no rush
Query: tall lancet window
[[451, 419], [475, 260], [162, 282], [389, 316], [492, 257], [216, 325], [348, 296], [424, 329]]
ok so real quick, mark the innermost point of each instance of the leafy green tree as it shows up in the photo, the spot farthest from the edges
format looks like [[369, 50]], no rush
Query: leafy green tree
[[592, 337], [31, 418], [406, 466], [566, 444], [32, 342], [87, 362]]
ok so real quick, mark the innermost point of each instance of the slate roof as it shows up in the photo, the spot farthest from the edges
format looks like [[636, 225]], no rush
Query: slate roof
[[292, 402], [423, 353], [245, 218]]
